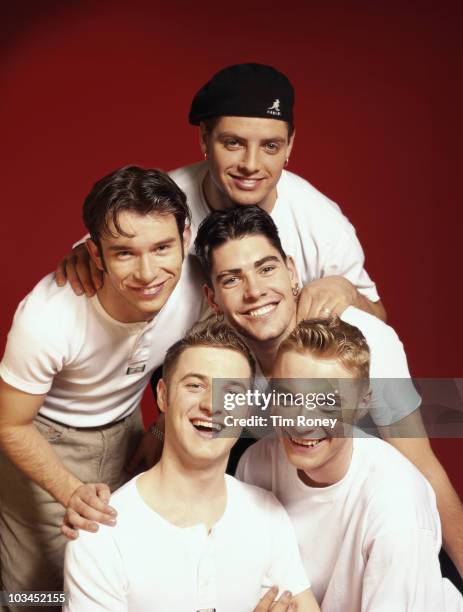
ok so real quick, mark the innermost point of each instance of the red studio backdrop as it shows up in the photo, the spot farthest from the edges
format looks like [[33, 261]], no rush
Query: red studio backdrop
[[87, 87]]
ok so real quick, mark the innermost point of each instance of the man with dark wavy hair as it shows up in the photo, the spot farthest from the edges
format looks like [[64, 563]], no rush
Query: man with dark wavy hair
[[74, 371]]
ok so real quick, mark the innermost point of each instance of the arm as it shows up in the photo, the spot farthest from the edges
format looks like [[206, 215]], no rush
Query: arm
[[34, 456], [334, 294], [94, 576], [78, 268], [402, 572], [418, 450]]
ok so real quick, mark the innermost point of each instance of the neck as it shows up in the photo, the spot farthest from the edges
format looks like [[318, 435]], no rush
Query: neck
[[266, 351], [124, 313], [331, 472], [183, 493]]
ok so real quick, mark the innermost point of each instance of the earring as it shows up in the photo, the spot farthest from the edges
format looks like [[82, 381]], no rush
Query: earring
[[205, 155], [286, 162], [219, 316], [295, 290]]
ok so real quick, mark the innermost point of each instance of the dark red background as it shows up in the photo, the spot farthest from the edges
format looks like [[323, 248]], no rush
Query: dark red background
[[90, 86]]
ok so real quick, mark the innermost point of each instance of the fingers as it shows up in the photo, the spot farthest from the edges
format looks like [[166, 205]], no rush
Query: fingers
[[96, 275], [268, 603], [60, 274], [69, 532], [104, 493], [76, 268], [283, 604], [267, 600]]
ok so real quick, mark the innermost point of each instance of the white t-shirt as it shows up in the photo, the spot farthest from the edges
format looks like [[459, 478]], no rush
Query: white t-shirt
[[312, 228], [393, 395], [145, 563], [370, 542], [93, 368]]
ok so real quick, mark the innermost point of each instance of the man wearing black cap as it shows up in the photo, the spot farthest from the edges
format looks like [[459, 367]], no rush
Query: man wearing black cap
[[245, 114]]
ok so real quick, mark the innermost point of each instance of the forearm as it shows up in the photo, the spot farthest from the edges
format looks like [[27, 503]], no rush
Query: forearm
[[34, 456], [375, 308]]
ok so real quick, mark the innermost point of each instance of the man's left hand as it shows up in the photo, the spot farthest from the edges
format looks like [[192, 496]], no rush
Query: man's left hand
[[326, 297]]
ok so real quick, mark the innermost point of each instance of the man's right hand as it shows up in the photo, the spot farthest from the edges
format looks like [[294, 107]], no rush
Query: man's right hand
[[87, 507], [284, 603], [82, 274]]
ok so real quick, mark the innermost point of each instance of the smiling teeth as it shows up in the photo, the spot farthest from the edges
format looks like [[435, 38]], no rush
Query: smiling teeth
[[259, 312], [302, 442], [208, 424]]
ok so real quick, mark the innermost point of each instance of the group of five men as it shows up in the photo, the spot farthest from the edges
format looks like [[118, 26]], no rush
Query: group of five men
[[283, 272]]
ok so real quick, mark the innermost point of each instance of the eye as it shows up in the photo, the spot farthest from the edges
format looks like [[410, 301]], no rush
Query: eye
[[123, 255], [272, 147], [268, 269], [162, 248], [195, 386], [232, 144], [230, 281]]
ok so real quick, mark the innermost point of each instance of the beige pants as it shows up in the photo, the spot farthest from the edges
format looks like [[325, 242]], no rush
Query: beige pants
[[31, 544]]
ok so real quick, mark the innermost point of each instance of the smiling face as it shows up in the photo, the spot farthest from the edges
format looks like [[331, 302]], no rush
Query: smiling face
[[246, 156], [142, 269], [193, 421], [321, 455], [252, 286]]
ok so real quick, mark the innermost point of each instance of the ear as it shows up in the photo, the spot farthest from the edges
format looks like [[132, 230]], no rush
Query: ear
[[203, 138], [186, 239], [293, 275], [161, 393], [362, 406], [290, 144], [210, 297], [94, 253]]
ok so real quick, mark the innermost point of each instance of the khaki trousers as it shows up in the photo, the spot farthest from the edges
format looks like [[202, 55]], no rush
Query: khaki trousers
[[31, 543]]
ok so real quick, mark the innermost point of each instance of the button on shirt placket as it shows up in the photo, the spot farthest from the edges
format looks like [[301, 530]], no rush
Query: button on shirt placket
[[204, 544]]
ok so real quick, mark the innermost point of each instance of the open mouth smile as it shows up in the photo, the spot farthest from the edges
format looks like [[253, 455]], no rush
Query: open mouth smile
[[149, 292], [261, 311], [207, 429], [306, 444]]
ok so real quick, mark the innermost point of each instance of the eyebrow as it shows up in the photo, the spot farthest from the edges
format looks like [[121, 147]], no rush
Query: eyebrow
[[257, 264], [194, 375], [129, 247], [223, 135]]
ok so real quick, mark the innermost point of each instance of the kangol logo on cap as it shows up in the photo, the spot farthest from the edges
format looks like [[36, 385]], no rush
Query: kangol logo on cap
[[275, 108]]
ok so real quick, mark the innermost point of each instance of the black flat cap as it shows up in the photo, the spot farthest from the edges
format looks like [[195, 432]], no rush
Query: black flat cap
[[244, 90]]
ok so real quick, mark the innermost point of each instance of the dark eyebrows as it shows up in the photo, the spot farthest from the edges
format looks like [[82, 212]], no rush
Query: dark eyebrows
[[129, 247], [277, 139], [257, 264]]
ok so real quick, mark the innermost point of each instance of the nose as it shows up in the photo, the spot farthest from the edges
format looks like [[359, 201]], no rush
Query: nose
[[249, 163], [147, 269], [206, 403], [252, 289]]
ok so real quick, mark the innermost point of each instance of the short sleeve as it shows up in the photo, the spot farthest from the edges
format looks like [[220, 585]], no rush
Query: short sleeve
[[345, 257], [94, 576], [37, 347]]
